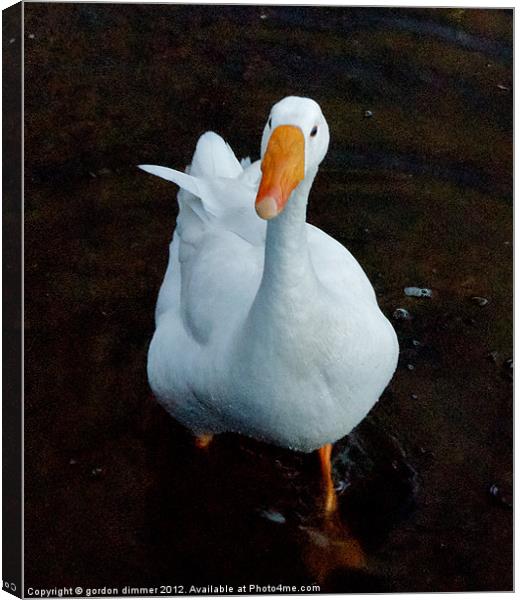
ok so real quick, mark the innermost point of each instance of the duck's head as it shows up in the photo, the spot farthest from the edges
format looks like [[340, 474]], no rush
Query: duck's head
[[295, 141]]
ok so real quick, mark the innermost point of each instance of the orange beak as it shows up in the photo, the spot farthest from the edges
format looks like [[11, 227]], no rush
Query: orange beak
[[283, 167]]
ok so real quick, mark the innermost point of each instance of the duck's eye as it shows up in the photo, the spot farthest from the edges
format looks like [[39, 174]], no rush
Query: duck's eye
[[314, 131], [270, 122]]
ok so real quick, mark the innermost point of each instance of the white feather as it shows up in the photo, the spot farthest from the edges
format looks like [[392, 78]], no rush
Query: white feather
[[279, 338]]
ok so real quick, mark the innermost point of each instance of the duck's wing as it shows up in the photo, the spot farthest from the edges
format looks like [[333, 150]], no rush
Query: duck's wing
[[216, 192], [216, 218]]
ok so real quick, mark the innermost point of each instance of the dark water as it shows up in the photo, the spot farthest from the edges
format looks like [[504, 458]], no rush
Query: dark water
[[420, 191]]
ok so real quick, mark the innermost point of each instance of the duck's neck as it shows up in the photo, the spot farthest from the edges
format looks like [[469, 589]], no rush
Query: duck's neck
[[288, 275]]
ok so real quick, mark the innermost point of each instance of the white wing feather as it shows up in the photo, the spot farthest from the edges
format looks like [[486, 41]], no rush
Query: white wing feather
[[220, 192]]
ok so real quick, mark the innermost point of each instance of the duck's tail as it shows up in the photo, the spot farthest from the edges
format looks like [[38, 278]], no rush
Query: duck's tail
[[213, 158], [216, 190]]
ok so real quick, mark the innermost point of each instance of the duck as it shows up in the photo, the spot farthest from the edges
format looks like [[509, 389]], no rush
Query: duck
[[266, 326]]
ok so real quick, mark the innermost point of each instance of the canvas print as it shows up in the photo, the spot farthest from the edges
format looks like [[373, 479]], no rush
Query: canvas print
[[265, 327]]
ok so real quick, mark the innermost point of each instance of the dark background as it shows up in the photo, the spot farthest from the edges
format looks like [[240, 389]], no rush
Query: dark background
[[420, 192], [12, 298]]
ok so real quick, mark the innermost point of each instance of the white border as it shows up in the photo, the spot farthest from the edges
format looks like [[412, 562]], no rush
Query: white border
[[403, 3]]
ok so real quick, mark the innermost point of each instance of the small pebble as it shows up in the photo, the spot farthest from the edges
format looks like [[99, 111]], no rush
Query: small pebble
[[104, 171], [263, 16], [12, 40], [401, 314], [500, 497], [416, 292], [368, 114], [493, 356], [480, 300], [425, 452], [274, 516], [31, 36], [341, 486], [410, 367], [96, 472], [416, 343], [73, 461], [414, 397]]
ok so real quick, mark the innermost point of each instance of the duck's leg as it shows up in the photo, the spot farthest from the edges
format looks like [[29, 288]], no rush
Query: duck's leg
[[330, 500], [203, 441]]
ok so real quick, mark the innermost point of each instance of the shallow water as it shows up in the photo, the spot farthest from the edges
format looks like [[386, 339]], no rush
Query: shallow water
[[419, 189]]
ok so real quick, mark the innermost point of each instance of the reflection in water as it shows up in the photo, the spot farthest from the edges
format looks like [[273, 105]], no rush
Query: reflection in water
[[377, 487], [273, 496], [331, 547]]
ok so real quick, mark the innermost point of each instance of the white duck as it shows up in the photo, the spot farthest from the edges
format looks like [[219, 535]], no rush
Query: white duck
[[271, 330]]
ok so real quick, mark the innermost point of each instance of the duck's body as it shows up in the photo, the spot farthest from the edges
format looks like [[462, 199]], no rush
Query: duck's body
[[271, 330]]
